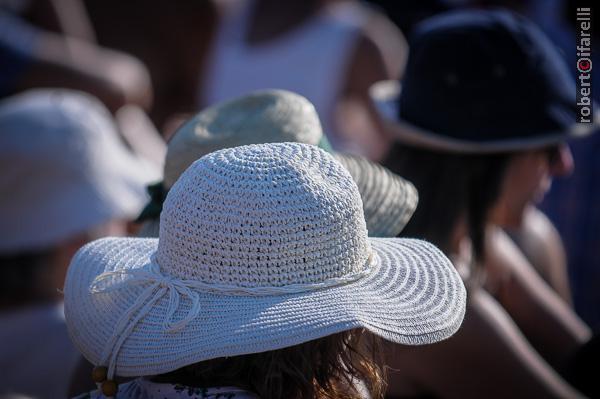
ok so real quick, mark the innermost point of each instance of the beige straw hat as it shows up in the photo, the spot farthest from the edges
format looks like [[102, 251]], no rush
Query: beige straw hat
[[261, 247], [271, 116]]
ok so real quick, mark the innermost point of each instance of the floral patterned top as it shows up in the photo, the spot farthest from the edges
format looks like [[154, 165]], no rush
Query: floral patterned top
[[142, 388]]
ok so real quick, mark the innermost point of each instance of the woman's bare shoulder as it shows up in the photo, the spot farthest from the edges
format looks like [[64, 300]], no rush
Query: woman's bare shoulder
[[487, 357]]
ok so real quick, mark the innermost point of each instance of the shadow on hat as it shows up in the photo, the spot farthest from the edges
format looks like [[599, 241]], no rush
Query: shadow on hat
[[481, 82], [272, 116]]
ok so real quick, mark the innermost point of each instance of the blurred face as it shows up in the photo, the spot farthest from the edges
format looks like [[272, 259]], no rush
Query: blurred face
[[527, 179]]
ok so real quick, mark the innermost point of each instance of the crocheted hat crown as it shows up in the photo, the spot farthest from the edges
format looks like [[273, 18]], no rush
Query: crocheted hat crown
[[264, 216]]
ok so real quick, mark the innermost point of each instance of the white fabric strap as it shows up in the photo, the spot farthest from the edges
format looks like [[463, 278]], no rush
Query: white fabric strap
[[159, 285]]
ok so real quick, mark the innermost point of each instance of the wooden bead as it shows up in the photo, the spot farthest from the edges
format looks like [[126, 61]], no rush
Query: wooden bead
[[109, 388], [99, 374]]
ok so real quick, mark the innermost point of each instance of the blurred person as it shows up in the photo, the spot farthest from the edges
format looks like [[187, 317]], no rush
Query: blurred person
[[566, 232], [65, 179], [67, 21], [61, 31], [571, 204], [33, 56], [330, 51], [172, 41], [538, 238], [481, 122], [258, 286]]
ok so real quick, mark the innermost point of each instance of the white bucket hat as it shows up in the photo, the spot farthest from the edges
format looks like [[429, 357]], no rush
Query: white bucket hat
[[261, 247], [63, 169], [271, 116]]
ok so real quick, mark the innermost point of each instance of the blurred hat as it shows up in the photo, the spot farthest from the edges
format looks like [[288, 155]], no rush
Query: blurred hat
[[481, 81], [63, 169], [261, 117], [389, 201], [261, 247], [279, 116]]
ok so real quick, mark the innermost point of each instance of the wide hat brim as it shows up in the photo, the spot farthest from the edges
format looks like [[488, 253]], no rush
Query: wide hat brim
[[389, 201], [385, 95], [413, 296]]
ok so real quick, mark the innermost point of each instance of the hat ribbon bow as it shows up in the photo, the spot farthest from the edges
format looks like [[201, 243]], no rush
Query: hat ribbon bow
[[158, 285]]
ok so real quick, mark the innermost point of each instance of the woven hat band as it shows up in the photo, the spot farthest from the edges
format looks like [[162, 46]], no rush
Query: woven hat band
[[110, 281], [158, 285]]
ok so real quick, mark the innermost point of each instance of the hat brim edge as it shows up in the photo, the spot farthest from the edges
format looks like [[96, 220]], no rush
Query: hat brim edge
[[385, 93], [350, 306]]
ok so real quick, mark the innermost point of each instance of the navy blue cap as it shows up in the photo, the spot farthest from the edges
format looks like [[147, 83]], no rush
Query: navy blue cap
[[486, 76]]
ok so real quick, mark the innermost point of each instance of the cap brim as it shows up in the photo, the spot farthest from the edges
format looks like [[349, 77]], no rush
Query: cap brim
[[388, 200], [413, 296], [385, 95]]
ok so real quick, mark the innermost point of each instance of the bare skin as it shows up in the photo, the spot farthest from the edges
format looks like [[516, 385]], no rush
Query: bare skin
[[545, 319], [380, 54], [491, 355], [541, 244], [553, 329], [527, 179], [68, 17], [488, 357]]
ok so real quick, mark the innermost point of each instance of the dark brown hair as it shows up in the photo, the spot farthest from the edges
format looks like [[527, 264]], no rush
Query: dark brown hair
[[329, 367], [450, 186]]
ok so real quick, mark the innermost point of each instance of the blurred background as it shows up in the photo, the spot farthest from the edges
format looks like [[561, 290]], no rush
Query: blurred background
[[170, 59], [153, 63]]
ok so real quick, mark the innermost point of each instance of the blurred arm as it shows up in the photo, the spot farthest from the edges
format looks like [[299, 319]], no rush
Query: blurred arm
[[541, 244], [487, 358], [379, 55], [545, 319], [115, 78], [67, 17]]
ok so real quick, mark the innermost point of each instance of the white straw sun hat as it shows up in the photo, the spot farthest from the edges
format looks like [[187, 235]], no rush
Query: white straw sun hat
[[261, 247], [271, 116], [63, 169]]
